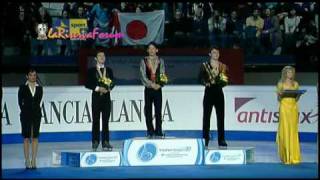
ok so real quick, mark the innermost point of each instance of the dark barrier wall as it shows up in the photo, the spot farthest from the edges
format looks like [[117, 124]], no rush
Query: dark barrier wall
[[182, 65]]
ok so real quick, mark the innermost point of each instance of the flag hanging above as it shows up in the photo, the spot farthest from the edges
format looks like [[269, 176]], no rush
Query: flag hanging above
[[142, 28]]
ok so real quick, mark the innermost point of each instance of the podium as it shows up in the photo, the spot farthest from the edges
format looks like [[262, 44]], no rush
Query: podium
[[163, 151], [86, 158], [155, 152], [231, 155]]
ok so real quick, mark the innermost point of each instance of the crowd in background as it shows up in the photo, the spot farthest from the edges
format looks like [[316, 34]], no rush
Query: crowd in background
[[268, 28]]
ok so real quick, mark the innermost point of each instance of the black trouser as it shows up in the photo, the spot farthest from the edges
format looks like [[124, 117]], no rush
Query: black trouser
[[153, 96], [213, 96], [100, 104]]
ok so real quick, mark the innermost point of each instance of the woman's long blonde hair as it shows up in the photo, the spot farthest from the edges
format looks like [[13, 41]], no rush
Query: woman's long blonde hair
[[284, 73]]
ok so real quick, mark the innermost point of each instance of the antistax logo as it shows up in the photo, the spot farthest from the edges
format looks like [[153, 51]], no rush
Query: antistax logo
[[264, 116], [147, 152], [215, 157], [238, 102], [91, 159]]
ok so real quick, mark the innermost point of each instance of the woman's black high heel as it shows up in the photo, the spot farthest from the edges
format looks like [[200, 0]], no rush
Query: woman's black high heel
[[27, 164], [33, 164]]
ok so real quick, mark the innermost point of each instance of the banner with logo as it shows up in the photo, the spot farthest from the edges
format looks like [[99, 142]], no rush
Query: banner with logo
[[142, 28], [247, 108], [78, 26], [230, 156], [86, 158], [151, 152]]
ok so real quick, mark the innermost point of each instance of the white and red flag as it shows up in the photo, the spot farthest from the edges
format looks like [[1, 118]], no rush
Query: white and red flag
[[142, 28]]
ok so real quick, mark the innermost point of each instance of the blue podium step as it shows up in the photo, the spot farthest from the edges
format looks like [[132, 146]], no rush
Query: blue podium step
[[159, 151], [231, 155], [87, 158]]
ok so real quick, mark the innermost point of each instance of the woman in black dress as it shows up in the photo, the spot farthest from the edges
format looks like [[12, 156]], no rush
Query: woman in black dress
[[29, 97]]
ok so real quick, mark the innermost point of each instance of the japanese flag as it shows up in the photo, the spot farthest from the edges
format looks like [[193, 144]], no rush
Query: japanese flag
[[142, 28]]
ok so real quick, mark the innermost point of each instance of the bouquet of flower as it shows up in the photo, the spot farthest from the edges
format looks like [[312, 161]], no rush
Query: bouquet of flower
[[221, 79], [106, 83], [162, 79]]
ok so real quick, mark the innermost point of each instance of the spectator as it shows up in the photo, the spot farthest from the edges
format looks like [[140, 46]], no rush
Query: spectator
[[307, 47], [271, 5], [255, 22], [24, 34], [180, 7], [189, 10], [186, 10], [234, 30], [282, 10], [33, 11], [42, 47], [217, 27], [138, 8], [67, 6], [128, 7], [65, 44], [208, 9], [266, 31], [244, 10], [100, 17], [291, 24], [282, 7], [44, 17], [199, 27], [79, 12], [152, 6], [254, 25], [179, 34], [168, 10], [302, 8], [76, 10], [276, 34], [123, 6]]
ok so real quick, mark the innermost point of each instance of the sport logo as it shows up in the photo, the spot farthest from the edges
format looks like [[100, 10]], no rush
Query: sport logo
[[215, 157], [265, 116], [147, 152], [91, 159], [238, 102]]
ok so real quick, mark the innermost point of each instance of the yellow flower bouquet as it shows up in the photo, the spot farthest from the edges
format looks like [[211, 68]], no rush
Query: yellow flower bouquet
[[162, 79], [222, 79], [106, 83]]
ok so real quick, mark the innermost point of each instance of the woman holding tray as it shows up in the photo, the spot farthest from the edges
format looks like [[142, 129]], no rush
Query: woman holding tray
[[287, 135]]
